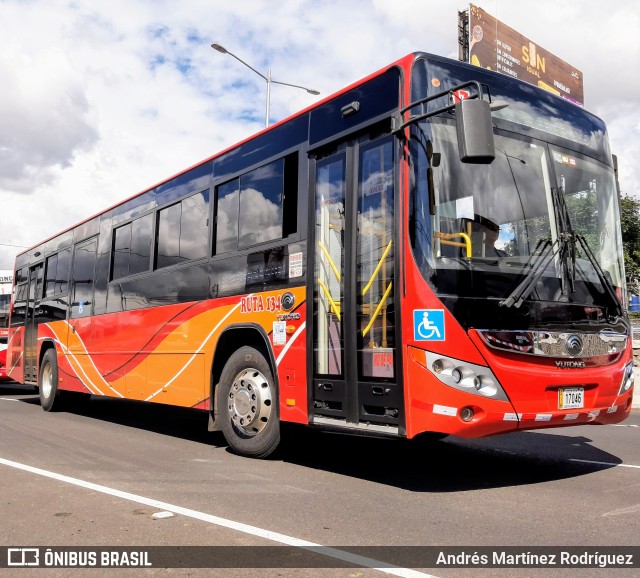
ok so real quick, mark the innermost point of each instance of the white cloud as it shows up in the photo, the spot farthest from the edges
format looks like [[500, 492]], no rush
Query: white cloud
[[101, 100], [43, 107]]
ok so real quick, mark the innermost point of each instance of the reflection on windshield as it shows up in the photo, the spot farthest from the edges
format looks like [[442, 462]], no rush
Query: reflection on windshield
[[503, 208], [590, 196], [528, 107], [479, 230]]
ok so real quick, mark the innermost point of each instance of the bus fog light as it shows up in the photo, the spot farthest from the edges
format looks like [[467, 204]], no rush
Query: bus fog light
[[466, 414]]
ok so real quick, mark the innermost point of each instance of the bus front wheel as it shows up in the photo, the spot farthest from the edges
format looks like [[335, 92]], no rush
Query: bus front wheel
[[48, 381], [247, 403]]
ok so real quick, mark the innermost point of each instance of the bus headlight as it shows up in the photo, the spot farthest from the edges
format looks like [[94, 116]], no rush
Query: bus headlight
[[476, 379], [627, 379]]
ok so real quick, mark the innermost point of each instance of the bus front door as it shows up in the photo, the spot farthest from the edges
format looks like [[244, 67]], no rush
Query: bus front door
[[355, 362]]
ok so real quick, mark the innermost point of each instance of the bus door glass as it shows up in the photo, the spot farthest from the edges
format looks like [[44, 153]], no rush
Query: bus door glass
[[32, 320], [354, 353], [328, 359]]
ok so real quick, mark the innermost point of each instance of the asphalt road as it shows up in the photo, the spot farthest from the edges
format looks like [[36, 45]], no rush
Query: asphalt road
[[127, 461]]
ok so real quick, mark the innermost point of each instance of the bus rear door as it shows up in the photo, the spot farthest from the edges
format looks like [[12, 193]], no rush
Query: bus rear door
[[32, 320]]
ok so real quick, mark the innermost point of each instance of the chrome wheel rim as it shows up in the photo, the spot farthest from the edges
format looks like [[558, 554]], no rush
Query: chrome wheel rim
[[250, 401], [47, 380]]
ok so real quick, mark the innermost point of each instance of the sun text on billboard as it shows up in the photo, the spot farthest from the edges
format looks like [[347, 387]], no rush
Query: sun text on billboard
[[496, 46]]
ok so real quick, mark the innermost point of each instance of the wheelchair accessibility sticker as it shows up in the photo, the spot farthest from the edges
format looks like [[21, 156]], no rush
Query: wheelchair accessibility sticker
[[428, 324]]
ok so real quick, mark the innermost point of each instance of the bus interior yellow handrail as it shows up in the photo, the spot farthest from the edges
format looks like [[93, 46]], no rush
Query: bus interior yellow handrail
[[330, 260], [377, 311], [445, 238], [332, 304], [377, 269]]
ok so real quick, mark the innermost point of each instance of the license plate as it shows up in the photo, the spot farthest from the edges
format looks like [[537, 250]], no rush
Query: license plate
[[571, 398]]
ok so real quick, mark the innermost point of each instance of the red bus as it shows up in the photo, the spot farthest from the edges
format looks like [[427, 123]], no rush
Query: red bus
[[6, 281], [435, 248]]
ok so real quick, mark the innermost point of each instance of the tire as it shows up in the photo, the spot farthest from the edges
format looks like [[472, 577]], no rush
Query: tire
[[248, 404], [48, 382]]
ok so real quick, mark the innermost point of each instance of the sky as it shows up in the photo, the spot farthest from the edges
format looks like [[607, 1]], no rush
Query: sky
[[101, 100]]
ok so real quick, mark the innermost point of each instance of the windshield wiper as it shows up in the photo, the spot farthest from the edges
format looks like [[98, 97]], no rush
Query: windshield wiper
[[565, 247], [569, 269], [523, 290], [608, 286], [568, 239]]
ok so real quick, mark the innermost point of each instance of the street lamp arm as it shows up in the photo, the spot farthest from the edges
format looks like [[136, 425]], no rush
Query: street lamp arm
[[309, 90], [249, 66], [217, 46]]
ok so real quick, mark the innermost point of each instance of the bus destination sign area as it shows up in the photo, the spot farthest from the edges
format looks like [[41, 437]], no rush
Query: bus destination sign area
[[494, 45]]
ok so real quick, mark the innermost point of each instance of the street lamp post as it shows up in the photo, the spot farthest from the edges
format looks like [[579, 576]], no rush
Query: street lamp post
[[217, 46]]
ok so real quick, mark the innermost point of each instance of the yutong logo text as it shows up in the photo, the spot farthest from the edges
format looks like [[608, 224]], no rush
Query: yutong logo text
[[570, 364]]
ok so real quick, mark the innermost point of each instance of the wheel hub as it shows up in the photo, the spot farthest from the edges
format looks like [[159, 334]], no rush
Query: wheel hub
[[250, 401], [47, 384]]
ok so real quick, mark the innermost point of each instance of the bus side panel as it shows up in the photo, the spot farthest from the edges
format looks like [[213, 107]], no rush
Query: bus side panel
[[165, 354], [57, 332], [15, 354], [292, 366], [4, 336]]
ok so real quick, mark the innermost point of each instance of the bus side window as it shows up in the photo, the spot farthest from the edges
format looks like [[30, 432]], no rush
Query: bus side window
[[261, 192], [50, 276], [84, 264], [290, 201], [226, 217], [132, 247], [56, 277], [268, 202], [183, 230]]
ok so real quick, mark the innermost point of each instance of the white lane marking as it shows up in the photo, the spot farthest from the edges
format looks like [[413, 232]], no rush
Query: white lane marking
[[8, 399], [624, 425], [623, 511], [225, 523], [605, 463]]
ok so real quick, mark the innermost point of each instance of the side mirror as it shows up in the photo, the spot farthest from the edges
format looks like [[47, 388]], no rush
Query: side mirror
[[475, 131]]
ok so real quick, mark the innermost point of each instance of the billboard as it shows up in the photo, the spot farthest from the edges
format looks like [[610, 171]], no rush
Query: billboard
[[492, 44], [6, 280]]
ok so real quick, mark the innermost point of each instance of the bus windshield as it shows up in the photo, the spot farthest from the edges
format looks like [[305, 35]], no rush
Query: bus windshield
[[479, 230]]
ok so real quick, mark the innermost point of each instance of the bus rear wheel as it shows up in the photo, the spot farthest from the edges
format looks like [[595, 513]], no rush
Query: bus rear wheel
[[48, 381], [247, 404]]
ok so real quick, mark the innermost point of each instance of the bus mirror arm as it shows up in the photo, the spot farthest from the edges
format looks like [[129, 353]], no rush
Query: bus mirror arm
[[473, 120]]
